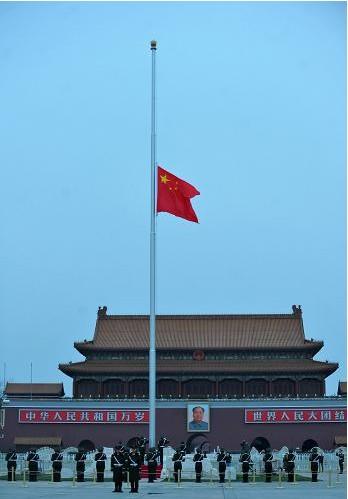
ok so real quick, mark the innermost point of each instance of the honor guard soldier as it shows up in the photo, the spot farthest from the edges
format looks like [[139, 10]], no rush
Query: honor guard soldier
[[223, 459], [178, 458], [11, 458], [117, 468], [100, 459], [340, 456], [183, 448], [289, 464], [314, 460], [121, 447], [142, 441], [245, 447], [151, 458], [57, 458], [198, 460], [80, 458], [321, 461], [33, 465], [162, 443], [245, 459], [268, 460], [133, 465]]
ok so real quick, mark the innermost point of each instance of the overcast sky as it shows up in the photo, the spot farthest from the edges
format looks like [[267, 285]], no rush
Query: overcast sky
[[251, 111]]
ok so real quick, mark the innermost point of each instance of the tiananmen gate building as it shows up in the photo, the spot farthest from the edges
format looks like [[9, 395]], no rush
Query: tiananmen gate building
[[252, 377]]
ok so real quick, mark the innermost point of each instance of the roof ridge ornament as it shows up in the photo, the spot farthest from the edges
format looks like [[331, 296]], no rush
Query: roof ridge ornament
[[102, 311], [297, 310]]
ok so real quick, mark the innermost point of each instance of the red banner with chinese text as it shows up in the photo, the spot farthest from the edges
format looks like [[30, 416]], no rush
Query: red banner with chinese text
[[338, 415], [119, 416]]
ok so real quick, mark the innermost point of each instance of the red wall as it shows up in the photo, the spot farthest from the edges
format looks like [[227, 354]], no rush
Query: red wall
[[227, 429]]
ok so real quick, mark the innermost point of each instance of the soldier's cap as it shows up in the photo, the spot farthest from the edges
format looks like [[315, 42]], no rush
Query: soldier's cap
[[100, 449]]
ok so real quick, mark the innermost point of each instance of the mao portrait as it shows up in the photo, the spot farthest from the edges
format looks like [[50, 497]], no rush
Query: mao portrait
[[198, 417]]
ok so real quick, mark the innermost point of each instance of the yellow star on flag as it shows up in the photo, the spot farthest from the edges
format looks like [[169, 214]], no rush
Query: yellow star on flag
[[164, 179]]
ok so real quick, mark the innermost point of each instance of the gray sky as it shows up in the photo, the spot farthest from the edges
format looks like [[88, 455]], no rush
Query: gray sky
[[251, 111]]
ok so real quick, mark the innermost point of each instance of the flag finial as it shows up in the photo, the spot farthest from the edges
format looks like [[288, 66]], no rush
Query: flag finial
[[153, 45]]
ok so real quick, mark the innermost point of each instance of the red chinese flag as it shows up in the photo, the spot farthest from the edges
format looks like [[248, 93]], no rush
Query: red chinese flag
[[174, 194]]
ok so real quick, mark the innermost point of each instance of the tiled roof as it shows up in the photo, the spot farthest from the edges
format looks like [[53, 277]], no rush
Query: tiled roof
[[199, 332], [36, 389], [117, 367]]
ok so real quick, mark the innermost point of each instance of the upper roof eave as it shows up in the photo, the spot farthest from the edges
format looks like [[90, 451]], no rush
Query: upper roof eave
[[88, 346], [192, 367]]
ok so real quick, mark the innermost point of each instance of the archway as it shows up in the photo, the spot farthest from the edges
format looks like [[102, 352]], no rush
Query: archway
[[197, 440], [132, 442], [260, 443], [309, 444], [86, 445]]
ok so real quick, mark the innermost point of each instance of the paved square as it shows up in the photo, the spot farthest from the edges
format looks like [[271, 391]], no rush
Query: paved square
[[238, 490]]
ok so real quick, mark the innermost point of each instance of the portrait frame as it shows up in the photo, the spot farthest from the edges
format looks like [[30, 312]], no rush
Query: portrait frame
[[198, 417]]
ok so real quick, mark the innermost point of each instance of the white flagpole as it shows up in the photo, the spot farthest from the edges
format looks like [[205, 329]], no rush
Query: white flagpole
[[152, 351]]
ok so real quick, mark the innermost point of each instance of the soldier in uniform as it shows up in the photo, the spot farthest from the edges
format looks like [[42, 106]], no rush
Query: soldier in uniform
[[321, 461], [289, 464], [80, 458], [223, 459], [33, 465], [245, 459], [178, 458], [198, 460], [314, 460], [183, 448], [340, 456], [245, 446], [117, 467], [100, 459], [151, 458], [267, 459], [142, 441], [133, 465], [57, 458], [162, 443], [11, 458]]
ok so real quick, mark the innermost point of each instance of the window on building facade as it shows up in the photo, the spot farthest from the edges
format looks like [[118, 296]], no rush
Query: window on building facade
[[257, 388], [310, 387], [230, 388], [167, 388], [114, 387], [283, 387], [139, 388], [199, 388], [87, 388]]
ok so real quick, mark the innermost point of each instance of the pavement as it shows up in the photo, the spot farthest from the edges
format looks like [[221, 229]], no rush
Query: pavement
[[187, 490]]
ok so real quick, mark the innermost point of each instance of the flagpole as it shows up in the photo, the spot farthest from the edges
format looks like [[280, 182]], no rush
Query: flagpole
[[152, 351]]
